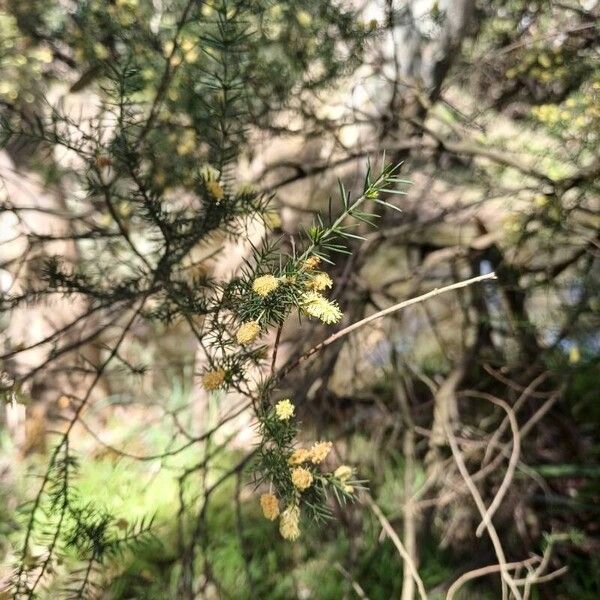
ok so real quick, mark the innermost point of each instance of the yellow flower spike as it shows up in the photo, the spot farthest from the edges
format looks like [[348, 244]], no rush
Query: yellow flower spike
[[247, 333], [343, 472], [215, 190], [315, 305], [319, 452], [270, 506], [284, 410], [320, 282], [299, 456], [289, 523], [301, 478], [265, 284], [213, 379], [312, 262]]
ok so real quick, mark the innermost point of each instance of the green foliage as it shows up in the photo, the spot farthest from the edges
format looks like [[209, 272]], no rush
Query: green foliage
[[149, 183], [136, 257]]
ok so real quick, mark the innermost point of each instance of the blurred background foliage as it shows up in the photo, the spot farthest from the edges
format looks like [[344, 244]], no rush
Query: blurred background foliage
[[501, 138]]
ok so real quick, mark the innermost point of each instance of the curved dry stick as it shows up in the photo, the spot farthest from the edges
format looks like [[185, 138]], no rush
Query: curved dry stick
[[481, 572], [460, 463], [542, 410], [517, 405], [495, 462], [399, 546], [543, 578], [355, 585], [512, 463], [537, 575], [382, 313]]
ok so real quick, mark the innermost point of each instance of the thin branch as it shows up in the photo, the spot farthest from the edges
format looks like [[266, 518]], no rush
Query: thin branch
[[387, 527], [355, 585], [510, 470], [460, 463], [382, 313], [481, 572]]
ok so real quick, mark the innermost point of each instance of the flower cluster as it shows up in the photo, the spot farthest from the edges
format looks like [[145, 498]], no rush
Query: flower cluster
[[312, 262], [247, 333], [270, 506], [289, 524], [315, 455], [271, 286], [264, 285], [262, 302], [315, 305], [210, 176], [213, 380], [284, 410], [296, 474], [301, 478], [319, 282], [215, 190]]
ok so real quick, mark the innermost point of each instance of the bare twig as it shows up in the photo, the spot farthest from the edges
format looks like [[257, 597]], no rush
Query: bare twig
[[481, 572], [510, 470], [517, 405], [382, 313], [387, 527], [507, 580], [355, 585]]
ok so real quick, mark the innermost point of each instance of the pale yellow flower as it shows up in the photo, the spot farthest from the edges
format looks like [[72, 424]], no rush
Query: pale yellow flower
[[247, 333], [213, 379], [315, 305], [343, 473], [312, 262], [319, 452], [319, 282], [289, 523], [304, 18], [270, 506], [272, 219], [301, 478], [265, 284], [574, 355], [215, 190], [284, 409], [299, 456]]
